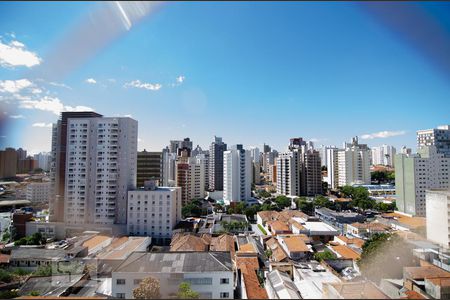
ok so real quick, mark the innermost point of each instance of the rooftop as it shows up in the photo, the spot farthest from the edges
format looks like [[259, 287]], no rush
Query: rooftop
[[248, 267], [53, 285], [176, 262], [122, 247], [410, 221], [319, 226], [358, 290], [295, 244], [357, 242], [371, 226], [419, 273], [283, 285], [188, 242], [278, 226], [37, 253], [310, 284], [346, 252], [96, 241]]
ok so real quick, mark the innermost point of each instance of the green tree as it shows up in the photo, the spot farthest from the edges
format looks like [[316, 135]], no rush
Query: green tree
[[319, 256], [149, 288], [9, 294], [240, 207], [322, 201], [192, 209], [304, 205], [5, 276], [43, 271], [6, 236], [347, 191], [250, 212], [185, 291], [264, 194], [283, 201], [34, 293]]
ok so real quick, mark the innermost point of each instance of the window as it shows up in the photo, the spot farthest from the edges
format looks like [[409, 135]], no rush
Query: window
[[120, 281], [120, 295], [224, 295], [199, 281], [224, 280]]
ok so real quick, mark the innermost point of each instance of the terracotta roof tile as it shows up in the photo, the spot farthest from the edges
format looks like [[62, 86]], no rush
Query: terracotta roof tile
[[248, 267], [411, 221], [425, 272], [95, 241], [346, 252], [295, 244]]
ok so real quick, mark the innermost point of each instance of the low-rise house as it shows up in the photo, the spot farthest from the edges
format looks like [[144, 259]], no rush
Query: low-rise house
[[338, 219], [366, 230], [262, 217], [249, 286], [275, 250], [280, 286], [352, 290], [400, 221], [309, 281], [345, 252], [189, 242], [354, 243], [52, 286], [295, 247], [278, 227], [209, 273], [30, 258], [320, 231], [429, 279]]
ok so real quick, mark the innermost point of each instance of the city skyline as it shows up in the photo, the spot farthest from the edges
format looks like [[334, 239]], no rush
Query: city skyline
[[249, 73]]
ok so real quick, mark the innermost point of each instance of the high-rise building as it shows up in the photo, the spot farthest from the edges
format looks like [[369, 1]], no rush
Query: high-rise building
[[190, 177], [353, 164], [8, 163], [332, 167], [175, 145], [43, 160], [154, 211], [58, 163], [237, 174], [299, 171], [266, 148], [168, 172], [288, 173], [405, 150], [439, 137], [438, 216], [38, 192], [149, 166], [21, 154], [416, 173], [256, 166], [216, 151], [100, 169], [268, 160], [26, 165], [383, 155]]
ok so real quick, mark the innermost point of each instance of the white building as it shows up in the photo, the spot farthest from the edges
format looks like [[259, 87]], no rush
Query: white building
[[209, 273], [383, 155], [154, 211], [280, 286], [439, 137], [100, 168], [438, 217], [353, 164], [39, 191], [43, 159], [168, 172], [237, 174], [416, 173], [332, 167], [288, 173], [191, 177]]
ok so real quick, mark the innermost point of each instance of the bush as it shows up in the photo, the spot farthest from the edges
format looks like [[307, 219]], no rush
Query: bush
[[319, 256], [5, 276]]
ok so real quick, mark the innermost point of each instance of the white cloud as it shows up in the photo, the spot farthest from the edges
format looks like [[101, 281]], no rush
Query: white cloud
[[140, 140], [143, 85], [17, 117], [15, 54], [51, 104], [78, 108], [91, 81], [128, 116], [59, 85], [180, 79], [42, 125], [382, 134], [14, 86]]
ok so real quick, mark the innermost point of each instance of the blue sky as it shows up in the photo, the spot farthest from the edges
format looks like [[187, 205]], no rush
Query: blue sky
[[249, 72]]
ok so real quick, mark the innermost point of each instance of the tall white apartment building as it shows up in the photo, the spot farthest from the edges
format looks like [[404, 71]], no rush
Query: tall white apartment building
[[39, 191], [43, 159], [438, 216], [353, 164], [416, 173], [331, 155], [383, 155], [268, 160], [288, 173], [191, 177], [439, 137], [168, 172], [154, 211], [100, 169], [237, 174]]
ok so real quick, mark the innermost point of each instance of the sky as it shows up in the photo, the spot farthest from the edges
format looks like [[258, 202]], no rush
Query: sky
[[249, 72]]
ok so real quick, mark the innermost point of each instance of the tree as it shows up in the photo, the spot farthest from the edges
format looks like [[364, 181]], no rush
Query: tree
[[283, 201], [264, 194], [304, 205], [250, 212], [5, 276], [322, 201], [148, 289], [192, 209], [43, 271], [185, 291], [240, 207], [347, 191], [319, 256], [6, 236]]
